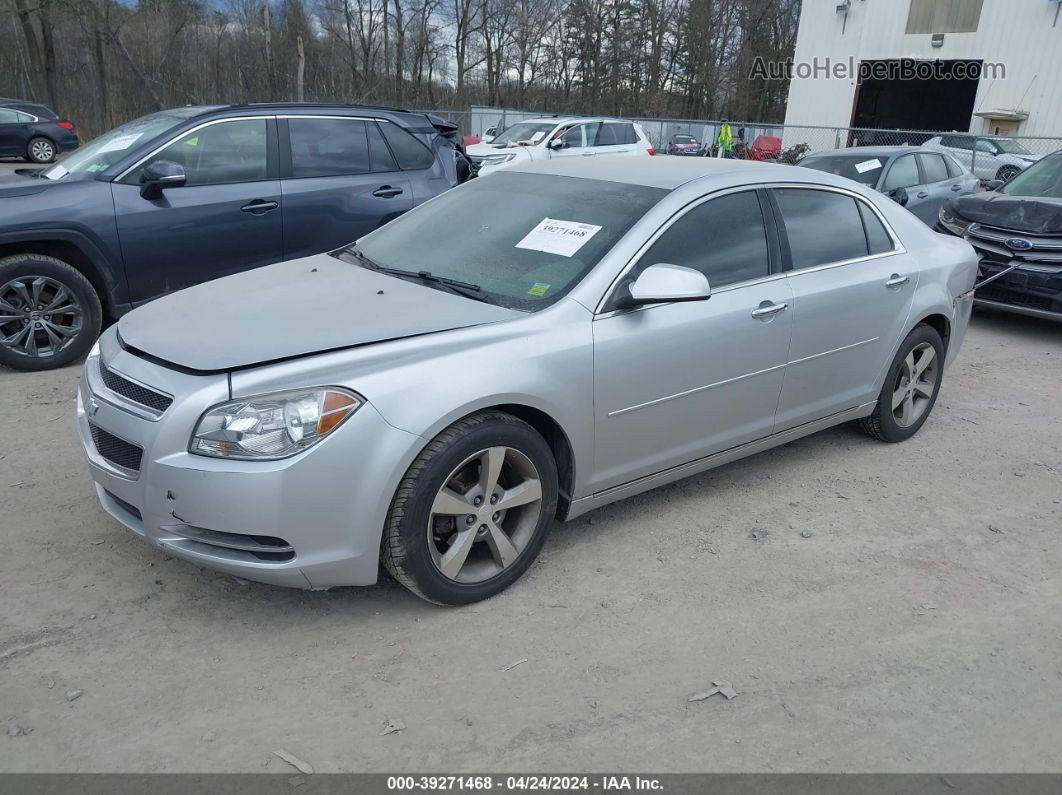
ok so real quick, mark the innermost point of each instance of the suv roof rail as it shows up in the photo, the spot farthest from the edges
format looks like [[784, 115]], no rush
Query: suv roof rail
[[316, 105]]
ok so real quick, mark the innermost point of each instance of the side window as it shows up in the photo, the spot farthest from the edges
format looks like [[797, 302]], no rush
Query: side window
[[822, 226], [723, 238], [328, 147], [410, 153], [902, 174], [232, 151], [380, 157], [878, 240], [581, 135], [954, 169], [8, 116], [934, 167], [986, 146], [956, 142], [24, 118], [630, 134], [616, 134]]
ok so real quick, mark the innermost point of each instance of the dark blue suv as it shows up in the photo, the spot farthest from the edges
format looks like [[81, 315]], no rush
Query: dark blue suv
[[187, 195]]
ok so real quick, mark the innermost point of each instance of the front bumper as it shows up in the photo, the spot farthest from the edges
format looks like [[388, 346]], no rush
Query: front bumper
[[310, 521]]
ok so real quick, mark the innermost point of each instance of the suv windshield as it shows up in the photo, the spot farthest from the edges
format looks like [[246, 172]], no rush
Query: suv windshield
[[533, 131], [1009, 146], [861, 168], [524, 239], [1041, 180], [103, 152]]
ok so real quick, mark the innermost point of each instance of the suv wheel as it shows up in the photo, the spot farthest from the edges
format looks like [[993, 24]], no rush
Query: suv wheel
[[1007, 173], [473, 510], [910, 389], [49, 312], [40, 150]]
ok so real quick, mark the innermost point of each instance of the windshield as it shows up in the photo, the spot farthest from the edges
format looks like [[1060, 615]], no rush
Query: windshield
[[524, 239], [1010, 147], [533, 131], [103, 152], [1041, 180], [861, 168]]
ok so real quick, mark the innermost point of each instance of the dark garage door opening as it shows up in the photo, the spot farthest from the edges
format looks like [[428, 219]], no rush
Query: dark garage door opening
[[941, 98]]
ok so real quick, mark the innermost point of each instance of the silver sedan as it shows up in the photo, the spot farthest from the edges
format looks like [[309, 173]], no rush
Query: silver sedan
[[521, 349]]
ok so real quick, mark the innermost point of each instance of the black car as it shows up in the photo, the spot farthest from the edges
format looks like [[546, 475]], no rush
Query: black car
[[1017, 222], [190, 194], [34, 132]]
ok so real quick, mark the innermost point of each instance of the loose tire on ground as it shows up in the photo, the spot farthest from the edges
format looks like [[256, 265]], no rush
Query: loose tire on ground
[[887, 423], [416, 530], [20, 275]]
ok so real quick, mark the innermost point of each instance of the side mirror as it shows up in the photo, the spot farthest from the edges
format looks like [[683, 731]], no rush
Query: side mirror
[[994, 184], [664, 283], [556, 143], [160, 175], [899, 195]]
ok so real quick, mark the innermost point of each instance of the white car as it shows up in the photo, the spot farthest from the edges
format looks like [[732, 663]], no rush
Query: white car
[[988, 158], [553, 137]]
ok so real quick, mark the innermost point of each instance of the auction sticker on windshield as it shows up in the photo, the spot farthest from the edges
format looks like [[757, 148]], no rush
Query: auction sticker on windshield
[[558, 237], [868, 165]]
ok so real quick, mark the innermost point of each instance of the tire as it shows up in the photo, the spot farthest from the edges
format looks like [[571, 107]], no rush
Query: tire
[[22, 275], [887, 423], [417, 535], [41, 150], [1007, 173]]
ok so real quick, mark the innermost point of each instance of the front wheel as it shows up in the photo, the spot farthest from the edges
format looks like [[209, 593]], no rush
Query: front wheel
[[473, 510], [41, 150], [49, 312], [910, 389]]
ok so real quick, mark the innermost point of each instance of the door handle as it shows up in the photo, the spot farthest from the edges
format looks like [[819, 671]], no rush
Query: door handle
[[896, 280], [386, 192], [956, 188], [259, 206], [923, 194], [768, 310]]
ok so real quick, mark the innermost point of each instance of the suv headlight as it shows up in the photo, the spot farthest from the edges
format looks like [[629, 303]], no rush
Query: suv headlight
[[277, 425], [497, 160], [952, 222]]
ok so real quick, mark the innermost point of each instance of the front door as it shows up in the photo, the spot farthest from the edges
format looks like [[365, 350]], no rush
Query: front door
[[342, 182], [578, 140], [676, 382], [225, 219], [852, 291]]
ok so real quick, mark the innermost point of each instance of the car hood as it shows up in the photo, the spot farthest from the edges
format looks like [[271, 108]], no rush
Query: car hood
[[293, 309], [1016, 213], [12, 185], [482, 150]]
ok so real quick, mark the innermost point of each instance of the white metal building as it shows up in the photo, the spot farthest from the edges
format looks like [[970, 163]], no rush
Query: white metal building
[[1022, 98]]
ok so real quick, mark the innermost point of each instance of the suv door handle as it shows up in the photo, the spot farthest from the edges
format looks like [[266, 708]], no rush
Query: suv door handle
[[768, 310], [896, 280], [956, 188], [386, 192], [259, 206]]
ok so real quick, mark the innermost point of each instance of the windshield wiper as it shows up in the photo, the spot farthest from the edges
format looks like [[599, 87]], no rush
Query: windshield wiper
[[456, 286]]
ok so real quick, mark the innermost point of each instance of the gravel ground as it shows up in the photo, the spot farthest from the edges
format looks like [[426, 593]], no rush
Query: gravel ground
[[917, 629]]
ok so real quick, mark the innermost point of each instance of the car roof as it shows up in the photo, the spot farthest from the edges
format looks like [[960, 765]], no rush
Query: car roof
[[572, 119], [870, 151], [670, 173]]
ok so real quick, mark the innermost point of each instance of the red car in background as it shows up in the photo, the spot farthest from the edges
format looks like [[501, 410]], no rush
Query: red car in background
[[683, 144]]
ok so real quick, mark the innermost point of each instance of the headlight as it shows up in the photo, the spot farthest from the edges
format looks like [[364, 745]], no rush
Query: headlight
[[952, 222], [272, 426], [497, 160]]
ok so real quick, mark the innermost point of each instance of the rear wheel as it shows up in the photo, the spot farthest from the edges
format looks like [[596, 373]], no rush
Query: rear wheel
[[473, 510], [49, 312], [41, 150], [910, 388]]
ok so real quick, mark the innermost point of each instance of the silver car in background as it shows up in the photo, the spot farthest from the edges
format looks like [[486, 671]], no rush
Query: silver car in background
[[521, 349]]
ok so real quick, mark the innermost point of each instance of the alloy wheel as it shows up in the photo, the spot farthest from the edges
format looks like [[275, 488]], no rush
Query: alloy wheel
[[42, 151], [38, 316], [915, 385], [484, 515]]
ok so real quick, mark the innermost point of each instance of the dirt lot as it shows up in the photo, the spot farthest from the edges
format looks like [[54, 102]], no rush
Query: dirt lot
[[917, 629]]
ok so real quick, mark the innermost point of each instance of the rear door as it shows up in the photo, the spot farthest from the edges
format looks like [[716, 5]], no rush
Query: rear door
[[852, 291], [12, 134], [339, 180], [615, 138], [935, 188], [225, 219]]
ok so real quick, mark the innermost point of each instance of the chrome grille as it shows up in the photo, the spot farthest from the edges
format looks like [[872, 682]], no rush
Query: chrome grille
[[133, 391], [992, 242], [118, 451]]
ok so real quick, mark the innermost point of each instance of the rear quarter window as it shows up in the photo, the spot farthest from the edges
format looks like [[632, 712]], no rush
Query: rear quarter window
[[410, 153]]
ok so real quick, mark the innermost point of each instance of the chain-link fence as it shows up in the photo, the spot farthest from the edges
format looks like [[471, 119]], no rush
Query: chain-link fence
[[989, 157]]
